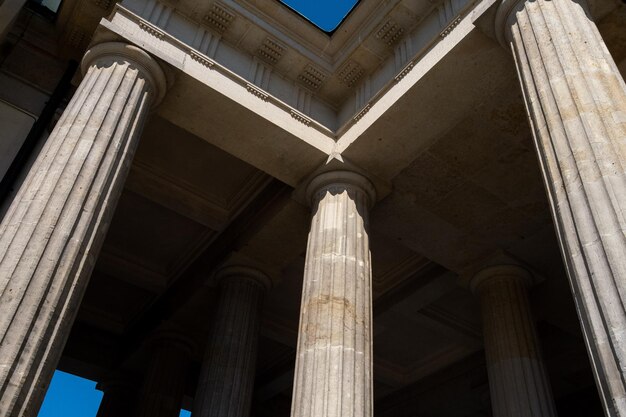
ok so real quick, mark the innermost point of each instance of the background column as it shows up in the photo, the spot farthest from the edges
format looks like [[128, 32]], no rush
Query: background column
[[227, 377], [576, 99], [51, 234], [119, 399], [333, 376], [166, 377], [517, 377]]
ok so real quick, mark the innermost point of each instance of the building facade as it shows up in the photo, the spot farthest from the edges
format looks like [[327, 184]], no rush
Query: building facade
[[215, 205]]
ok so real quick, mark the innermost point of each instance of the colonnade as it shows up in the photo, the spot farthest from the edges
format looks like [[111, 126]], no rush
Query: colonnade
[[51, 235]]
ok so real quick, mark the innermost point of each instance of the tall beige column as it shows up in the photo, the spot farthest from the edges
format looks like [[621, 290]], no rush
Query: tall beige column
[[576, 99], [333, 375], [227, 375], [52, 232], [166, 377], [517, 377]]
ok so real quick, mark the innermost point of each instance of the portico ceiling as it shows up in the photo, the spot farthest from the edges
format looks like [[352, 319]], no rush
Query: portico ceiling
[[448, 146]]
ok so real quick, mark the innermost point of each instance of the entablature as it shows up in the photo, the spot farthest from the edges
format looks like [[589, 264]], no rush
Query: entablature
[[331, 80]]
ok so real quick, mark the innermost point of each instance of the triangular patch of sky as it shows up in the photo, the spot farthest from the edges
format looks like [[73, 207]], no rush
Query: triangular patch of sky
[[72, 396], [325, 14]]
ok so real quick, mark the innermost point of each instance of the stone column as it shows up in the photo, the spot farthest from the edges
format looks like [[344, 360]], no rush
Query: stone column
[[52, 232], [333, 374], [576, 99], [517, 377], [166, 377], [227, 375], [120, 396]]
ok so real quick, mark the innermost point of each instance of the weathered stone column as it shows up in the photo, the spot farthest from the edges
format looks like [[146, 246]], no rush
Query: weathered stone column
[[164, 383], [52, 232], [120, 396], [517, 377], [333, 376], [576, 99], [227, 376]]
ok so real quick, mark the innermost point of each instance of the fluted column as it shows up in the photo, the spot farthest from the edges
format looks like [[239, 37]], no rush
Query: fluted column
[[333, 376], [517, 377], [120, 396], [52, 232], [227, 374], [164, 383], [576, 99]]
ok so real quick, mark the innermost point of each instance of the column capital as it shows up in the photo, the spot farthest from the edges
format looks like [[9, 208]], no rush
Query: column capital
[[230, 272], [330, 180], [503, 13], [500, 272], [174, 338], [104, 54], [504, 16]]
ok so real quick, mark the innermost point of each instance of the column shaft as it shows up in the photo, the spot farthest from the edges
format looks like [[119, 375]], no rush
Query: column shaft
[[333, 375], [227, 376], [517, 377], [165, 380], [52, 232], [576, 99]]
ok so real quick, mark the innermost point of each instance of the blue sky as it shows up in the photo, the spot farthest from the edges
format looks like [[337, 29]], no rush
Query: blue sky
[[71, 396], [326, 14]]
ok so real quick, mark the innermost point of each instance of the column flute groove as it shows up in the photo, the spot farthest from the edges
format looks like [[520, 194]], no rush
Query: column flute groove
[[576, 99], [52, 232]]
